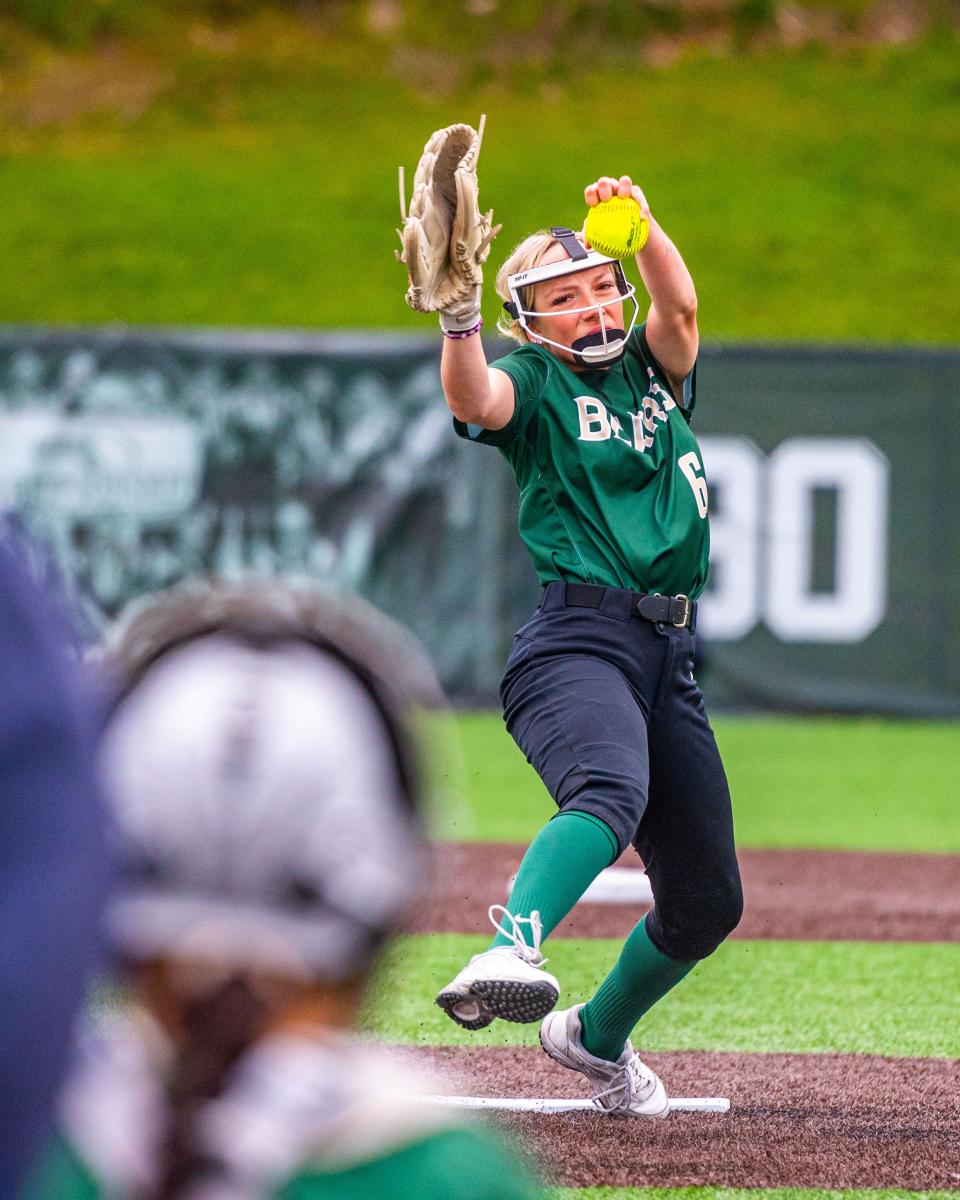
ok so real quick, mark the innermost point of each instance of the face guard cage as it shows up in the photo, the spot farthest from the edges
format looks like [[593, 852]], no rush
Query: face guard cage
[[609, 344]]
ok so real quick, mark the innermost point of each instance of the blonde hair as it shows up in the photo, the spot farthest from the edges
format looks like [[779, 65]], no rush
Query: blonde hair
[[524, 256]]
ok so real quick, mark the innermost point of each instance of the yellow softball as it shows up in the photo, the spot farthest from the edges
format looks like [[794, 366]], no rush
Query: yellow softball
[[616, 227]]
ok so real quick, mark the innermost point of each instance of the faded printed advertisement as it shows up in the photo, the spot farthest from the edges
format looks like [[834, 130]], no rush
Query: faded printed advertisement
[[138, 462], [143, 458]]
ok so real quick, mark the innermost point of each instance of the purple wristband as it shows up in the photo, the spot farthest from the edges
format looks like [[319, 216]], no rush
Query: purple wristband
[[459, 334]]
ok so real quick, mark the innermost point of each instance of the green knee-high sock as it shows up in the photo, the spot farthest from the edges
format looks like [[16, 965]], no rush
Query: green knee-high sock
[[561, 862], [640, 976]]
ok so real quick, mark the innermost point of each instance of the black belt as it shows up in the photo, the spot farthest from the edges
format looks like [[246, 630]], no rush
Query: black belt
[[668, 610]]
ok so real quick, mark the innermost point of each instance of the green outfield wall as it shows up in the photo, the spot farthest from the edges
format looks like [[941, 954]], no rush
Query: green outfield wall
[[141, 458]]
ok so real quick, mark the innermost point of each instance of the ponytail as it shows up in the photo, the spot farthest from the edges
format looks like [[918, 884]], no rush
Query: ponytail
[[217, 1029]]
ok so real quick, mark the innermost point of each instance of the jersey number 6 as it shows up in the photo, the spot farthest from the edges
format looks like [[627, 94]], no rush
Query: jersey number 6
[[689, 464]]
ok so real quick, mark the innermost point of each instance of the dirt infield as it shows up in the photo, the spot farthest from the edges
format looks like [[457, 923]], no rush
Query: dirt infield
[[790, 895], [829, 1121], [825, 1121]]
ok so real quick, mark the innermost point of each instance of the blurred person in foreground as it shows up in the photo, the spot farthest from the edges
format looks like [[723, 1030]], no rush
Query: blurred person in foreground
[[52, 858], [262, 782]]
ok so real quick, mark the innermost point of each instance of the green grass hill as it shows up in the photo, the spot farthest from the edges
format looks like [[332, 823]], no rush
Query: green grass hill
[[235, 164]]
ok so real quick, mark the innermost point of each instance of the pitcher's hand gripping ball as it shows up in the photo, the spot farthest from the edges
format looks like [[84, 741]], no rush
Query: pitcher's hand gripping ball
[[446, 239], [616, 227]]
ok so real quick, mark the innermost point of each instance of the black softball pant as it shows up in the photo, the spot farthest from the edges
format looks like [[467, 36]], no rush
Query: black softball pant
[[605, 707]]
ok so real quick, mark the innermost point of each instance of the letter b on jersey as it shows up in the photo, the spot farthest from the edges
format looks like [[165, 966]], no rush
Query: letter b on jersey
[[594, 421]]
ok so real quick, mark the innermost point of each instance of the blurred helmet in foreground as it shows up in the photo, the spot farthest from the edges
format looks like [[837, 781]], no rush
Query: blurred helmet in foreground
[[262, 779]]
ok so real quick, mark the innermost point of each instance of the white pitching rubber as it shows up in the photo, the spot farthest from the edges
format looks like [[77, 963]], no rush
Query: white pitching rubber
[[615, 885], [561, 1104]]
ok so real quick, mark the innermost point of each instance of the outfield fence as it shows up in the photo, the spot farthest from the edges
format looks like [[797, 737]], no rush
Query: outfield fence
[[140, 458]]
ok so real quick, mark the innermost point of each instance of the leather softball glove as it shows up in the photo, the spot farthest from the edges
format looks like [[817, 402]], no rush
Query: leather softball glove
[[445, 237]]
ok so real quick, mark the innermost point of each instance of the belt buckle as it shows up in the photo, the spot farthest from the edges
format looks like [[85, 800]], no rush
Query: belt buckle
[[685, 619]]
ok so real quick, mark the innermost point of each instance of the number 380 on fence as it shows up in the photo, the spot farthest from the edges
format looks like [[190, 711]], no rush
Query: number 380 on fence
[[764, 536]]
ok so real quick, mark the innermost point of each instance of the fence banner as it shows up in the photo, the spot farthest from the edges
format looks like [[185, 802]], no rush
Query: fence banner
[[141, 458]]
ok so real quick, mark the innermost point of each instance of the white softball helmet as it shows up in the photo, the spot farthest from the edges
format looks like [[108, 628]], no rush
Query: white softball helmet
[[261, 784], [598, 349]]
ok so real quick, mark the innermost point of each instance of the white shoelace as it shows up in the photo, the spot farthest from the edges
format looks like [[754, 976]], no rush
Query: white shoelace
[[631, 1077], [529, 953]]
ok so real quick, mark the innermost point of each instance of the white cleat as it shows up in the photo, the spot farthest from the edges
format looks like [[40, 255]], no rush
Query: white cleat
[[625, 1088], [507, 982]]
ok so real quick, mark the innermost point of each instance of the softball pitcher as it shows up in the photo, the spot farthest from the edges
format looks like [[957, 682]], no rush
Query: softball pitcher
[[592, 412]]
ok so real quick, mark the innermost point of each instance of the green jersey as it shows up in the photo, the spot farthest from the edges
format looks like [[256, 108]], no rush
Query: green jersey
[[298, 1119], [611, 480], [451, 1164]]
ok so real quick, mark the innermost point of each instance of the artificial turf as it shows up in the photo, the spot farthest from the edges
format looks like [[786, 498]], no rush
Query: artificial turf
[[843, 784], [787, 997]]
